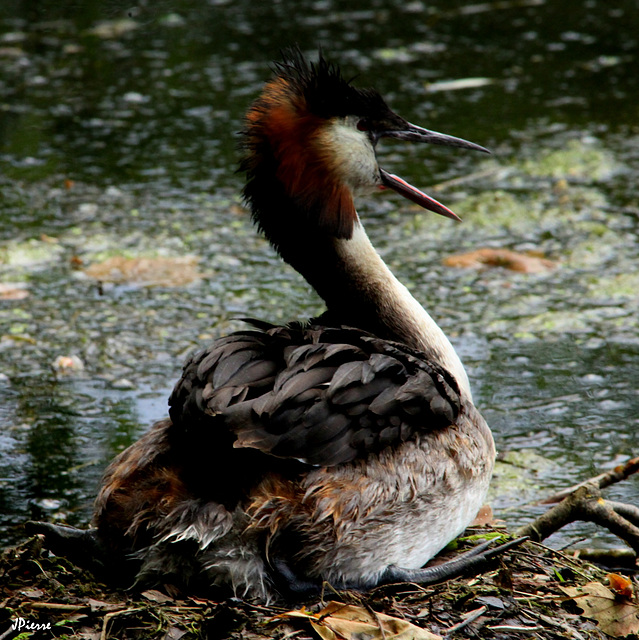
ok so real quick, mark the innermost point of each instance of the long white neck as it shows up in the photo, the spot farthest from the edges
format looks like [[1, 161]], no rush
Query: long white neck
[[364, 271], [318, 232]]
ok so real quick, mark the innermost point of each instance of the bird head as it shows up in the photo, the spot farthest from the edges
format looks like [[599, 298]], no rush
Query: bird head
[[311, 137]]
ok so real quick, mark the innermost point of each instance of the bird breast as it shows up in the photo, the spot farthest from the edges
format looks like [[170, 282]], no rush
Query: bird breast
[[347, 524]]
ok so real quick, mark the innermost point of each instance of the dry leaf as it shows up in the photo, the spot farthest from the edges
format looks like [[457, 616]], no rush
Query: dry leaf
[[620, 585], [616, 618], [165, 272], [484, 516], [523, 262], [491, 601], [174, 633], [100, 605], [156, 596], [338, 621]]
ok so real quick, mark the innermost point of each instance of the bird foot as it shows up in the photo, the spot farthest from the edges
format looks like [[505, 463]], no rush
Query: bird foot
[[81, 546], [472, 560], [288, 583]]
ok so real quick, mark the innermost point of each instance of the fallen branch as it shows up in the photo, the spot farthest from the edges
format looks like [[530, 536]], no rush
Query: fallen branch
[[628, 511], [585, 503], [601, 481]]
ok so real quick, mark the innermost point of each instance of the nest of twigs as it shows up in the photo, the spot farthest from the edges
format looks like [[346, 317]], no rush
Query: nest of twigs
[[532, 592]]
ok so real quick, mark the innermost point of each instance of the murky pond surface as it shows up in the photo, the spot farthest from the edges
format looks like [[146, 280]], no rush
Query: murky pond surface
[[117, 139]]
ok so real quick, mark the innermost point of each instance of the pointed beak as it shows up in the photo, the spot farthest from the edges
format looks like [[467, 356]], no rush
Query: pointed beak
[[415, 195], [413, 133]]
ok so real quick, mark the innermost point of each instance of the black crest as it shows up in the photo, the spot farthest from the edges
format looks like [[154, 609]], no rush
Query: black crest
[[326, 92]]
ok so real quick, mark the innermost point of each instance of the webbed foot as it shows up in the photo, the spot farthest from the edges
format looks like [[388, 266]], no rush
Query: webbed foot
[[473, 560], [81, 546], [289, 584]]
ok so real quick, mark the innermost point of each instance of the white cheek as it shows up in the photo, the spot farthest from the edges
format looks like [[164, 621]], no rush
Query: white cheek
[[352, 155]]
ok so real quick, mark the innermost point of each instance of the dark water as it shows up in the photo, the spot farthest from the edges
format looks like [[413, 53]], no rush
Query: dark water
[[117, 137]]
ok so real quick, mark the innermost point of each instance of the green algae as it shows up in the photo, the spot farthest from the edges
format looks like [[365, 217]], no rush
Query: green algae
[[622, 286], [31, 253], [499, 208], [577, 160]]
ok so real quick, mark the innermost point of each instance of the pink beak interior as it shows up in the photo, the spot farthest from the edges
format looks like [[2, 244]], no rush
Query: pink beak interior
[[415, 195]]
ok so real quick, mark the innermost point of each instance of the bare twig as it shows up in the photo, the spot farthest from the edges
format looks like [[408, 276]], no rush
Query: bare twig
[[571, 631], [378, 620], [515, 629], [113, 614], [470, 617], [601, 481], [55, 606]]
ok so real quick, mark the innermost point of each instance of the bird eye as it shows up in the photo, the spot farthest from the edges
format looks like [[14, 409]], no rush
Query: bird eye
[[363, 125]]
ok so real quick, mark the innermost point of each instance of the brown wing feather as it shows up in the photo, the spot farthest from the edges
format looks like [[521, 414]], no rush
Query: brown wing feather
[[320, 395]]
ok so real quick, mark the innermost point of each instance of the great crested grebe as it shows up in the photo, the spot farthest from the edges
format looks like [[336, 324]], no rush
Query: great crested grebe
[[347, 450]]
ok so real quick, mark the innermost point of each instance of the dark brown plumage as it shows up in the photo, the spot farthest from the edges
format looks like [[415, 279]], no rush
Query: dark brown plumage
[[321, 395]]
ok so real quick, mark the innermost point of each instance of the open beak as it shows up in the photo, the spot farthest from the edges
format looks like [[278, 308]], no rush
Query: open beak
[[413, 133]]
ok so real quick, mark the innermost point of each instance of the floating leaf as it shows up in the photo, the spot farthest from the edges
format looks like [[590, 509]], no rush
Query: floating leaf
[[524, 262], [166, 272], [615, 617], [67, 364], [12, 292], [109, 29], [456, 85]]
